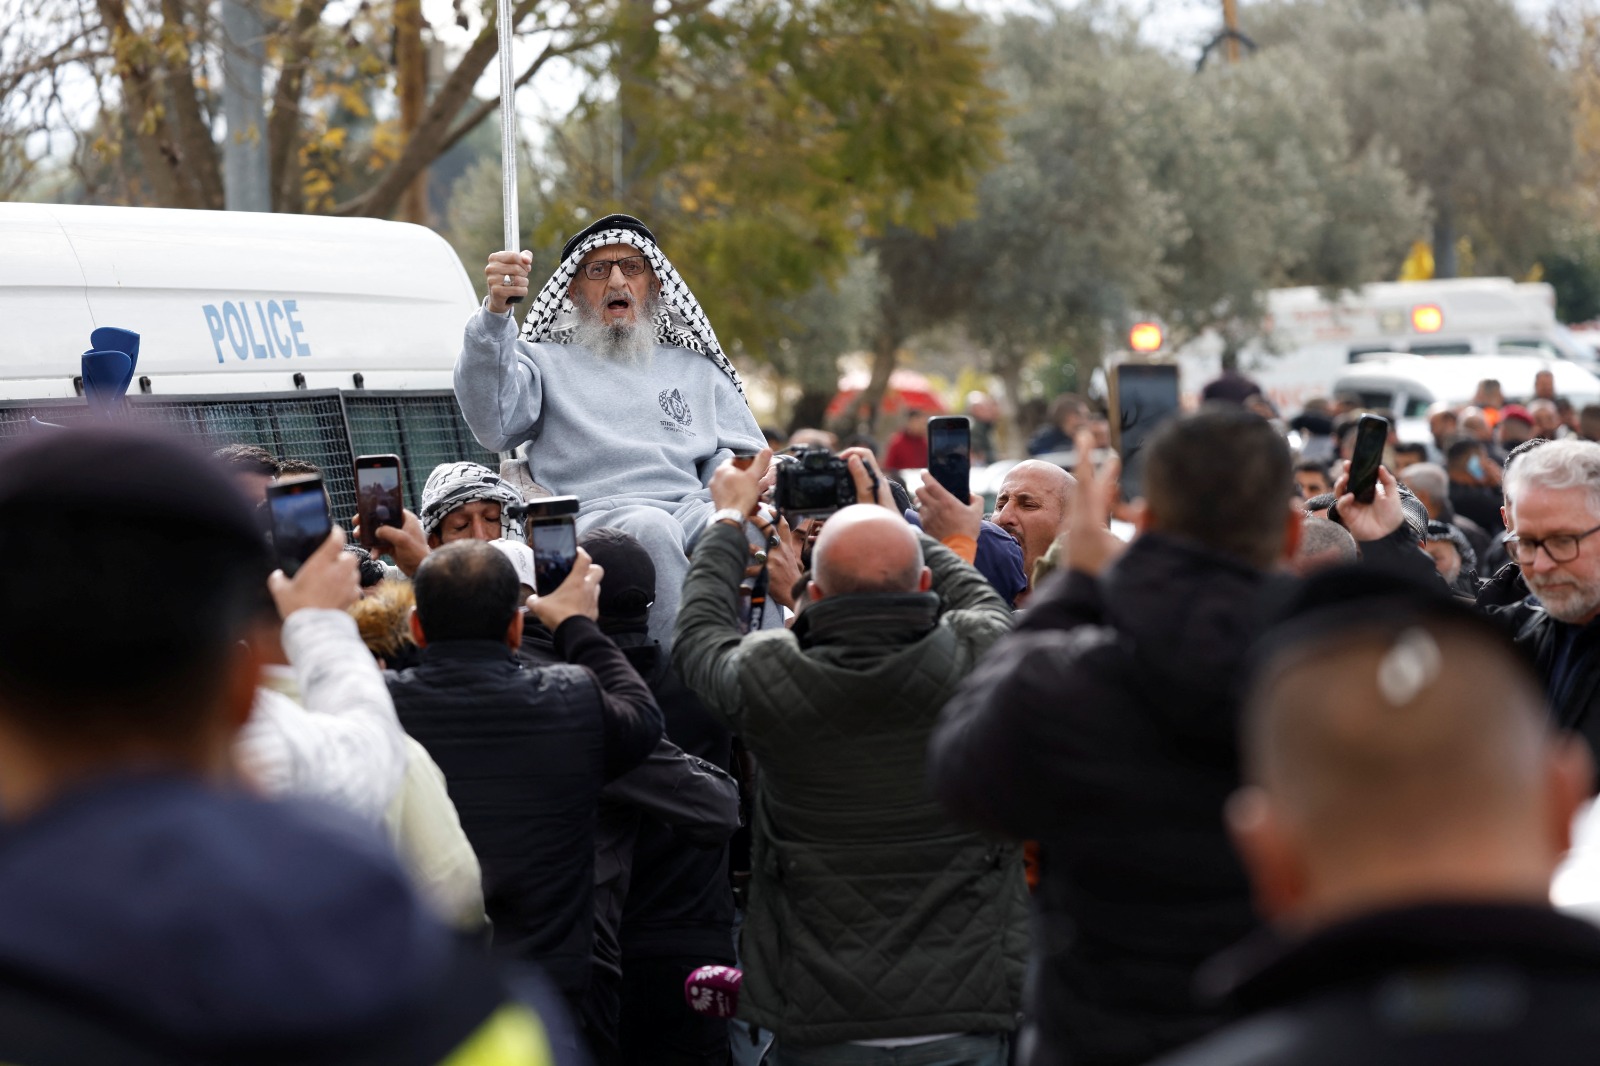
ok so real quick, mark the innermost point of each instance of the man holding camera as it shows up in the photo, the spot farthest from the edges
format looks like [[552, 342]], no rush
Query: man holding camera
[[874, 922], [619, 385]]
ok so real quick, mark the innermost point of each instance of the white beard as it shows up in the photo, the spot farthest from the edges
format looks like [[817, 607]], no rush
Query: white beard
[[1564, 598], [634, 343]]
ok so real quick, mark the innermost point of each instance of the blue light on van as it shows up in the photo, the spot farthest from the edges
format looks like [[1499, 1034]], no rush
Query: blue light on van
[[259, 329]]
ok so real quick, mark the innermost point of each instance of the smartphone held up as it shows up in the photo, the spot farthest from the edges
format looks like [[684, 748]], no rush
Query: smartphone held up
[[1372, 436], [551, 529], [950, 454], [379, 501], [1142, 397], [300, 520]]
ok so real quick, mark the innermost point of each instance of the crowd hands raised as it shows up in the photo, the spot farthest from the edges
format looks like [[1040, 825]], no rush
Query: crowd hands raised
[[1293, 769]]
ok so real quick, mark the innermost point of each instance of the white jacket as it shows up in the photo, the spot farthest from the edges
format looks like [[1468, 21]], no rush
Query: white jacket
[[341, 743]]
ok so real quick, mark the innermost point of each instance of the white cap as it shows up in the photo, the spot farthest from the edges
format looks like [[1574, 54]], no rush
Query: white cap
[[521, 557]]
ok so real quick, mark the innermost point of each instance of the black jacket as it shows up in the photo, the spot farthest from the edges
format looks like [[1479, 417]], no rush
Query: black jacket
[[680, 902], [1442, 985], [1566, 657], [150, 920], [526, 752], [693, 801], [1105, 729]]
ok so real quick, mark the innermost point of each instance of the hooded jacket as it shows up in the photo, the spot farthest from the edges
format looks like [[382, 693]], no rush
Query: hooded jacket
[[1105, 729], [151, 919], [871, 914]]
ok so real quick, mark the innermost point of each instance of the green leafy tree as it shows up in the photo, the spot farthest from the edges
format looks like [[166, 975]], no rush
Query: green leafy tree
[[1466, 94], [765, 140], [1131, 185]]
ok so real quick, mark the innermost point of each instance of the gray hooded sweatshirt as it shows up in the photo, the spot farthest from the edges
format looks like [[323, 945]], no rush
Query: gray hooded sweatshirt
[[611, 433]]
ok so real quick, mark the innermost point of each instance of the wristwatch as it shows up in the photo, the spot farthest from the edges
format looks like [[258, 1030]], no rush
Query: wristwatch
[[728, 514]]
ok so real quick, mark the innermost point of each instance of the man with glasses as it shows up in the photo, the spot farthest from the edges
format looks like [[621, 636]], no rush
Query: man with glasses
[[618, 386], [1553, 495]]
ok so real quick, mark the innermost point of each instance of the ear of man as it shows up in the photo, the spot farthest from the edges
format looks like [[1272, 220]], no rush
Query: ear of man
[[1267, 848]]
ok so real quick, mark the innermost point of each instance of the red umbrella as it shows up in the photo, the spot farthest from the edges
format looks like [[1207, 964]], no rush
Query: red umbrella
[[907, 390]]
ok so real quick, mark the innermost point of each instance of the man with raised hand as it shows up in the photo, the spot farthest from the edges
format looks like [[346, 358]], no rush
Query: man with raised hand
[[619, 386], [875, 923]]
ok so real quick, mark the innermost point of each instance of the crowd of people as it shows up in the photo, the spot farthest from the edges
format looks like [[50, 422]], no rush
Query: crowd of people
[[1252, 770]]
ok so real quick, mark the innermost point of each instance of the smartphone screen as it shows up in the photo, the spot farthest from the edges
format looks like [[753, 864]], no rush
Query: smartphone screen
[[1372, 433], [1143, 396], [950, 454], [555, 549], [300, 521], [378, 498]]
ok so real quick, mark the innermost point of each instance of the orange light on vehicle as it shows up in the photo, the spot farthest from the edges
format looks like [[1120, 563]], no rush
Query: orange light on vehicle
[[1145, 337], [1427, 318]]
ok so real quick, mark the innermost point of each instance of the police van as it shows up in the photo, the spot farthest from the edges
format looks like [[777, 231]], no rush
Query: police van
[[1308, 340], [316, 338]]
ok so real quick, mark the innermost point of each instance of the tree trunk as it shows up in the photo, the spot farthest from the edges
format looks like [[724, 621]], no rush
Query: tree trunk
[[411, 76], [152, 134], [1444, 238], [283, 126], [885, 354], [638, 45], [1013, 435], [197, 149], [818, 376], [381, 200]]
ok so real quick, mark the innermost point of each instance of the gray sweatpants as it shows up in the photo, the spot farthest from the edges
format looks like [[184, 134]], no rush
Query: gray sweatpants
[[668, 532]]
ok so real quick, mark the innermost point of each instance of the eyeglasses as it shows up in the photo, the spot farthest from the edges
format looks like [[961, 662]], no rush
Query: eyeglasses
[[600, 269], [1562, 548]]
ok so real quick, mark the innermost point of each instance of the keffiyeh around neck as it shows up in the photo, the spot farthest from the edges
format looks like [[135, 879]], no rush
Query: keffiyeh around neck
[[454, 485], [680, 322]]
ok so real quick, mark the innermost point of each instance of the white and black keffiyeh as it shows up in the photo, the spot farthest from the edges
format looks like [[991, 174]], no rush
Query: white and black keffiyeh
[[680, 322], [454, 485]]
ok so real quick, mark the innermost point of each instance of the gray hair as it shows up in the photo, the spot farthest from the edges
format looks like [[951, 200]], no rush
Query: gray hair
[[1319, 535], [1558, 464], [1430, 478]]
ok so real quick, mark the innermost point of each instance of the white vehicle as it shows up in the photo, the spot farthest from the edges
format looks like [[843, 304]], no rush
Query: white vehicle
[[1307, 340], [1408, 385], [317, 338]]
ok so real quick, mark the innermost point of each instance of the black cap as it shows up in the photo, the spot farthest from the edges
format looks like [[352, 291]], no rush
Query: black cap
[[627, 222], [629, 586]]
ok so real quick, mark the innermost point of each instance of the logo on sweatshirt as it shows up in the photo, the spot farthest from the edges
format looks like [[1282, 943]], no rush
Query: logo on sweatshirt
[[674, 404]]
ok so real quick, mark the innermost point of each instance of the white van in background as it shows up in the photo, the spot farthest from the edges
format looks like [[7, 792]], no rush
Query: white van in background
[[1308, 341], [316, 338]]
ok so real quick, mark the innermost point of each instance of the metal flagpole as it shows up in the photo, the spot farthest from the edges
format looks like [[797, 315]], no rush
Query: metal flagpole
[[508, 134]]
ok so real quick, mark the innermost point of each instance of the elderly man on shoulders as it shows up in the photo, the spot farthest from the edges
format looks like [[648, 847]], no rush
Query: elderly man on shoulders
[[619, 385]]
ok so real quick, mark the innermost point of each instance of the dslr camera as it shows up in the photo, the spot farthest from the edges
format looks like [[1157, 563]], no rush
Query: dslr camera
[[815, 484]]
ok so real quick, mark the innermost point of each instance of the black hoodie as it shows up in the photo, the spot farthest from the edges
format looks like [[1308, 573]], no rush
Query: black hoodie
[[1105, 729]]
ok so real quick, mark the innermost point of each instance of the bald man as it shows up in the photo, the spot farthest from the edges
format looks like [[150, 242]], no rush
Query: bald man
[[872, 915], [1406, 807], [1035, 507]]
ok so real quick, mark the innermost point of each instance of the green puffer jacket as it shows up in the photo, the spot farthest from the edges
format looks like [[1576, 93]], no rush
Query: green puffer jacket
[[872, 914]]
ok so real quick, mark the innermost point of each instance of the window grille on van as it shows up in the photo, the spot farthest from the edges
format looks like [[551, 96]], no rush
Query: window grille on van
[[423, 428]]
